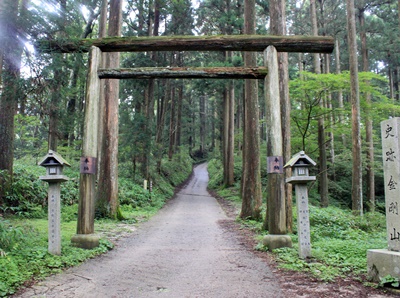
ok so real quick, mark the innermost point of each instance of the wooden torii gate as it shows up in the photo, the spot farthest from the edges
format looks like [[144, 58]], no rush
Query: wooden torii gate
[[270, 45]]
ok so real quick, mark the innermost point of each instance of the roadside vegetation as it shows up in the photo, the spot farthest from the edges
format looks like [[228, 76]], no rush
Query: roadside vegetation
[[23, 218], [339, 239]]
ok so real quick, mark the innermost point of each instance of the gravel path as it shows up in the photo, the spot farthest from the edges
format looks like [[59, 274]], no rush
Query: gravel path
[[181, 252]]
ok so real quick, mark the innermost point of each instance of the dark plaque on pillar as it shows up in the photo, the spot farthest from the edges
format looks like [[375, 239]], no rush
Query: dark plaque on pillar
[[275, 164], [88, 165]]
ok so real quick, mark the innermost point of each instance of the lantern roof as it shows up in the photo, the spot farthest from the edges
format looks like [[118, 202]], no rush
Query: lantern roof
[[53, 158], [300, 159]]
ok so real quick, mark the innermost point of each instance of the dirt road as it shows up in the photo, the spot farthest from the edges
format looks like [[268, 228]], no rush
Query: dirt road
[[182, 252]]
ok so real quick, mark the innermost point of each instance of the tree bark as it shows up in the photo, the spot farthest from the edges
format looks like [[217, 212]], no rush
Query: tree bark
[[323, 168], [251, 178], [370, 177], [256, 73], [202, 124], [179, 117], [54, 116], [153, 26], [356, 188], [229, 115], [276, 204], [108, 180], [278, 27], [161, 111], [57, 84], [340, 92], [11, 49], [102, 109], [87, 182], [252, 43], [172, 123], [228, 132], [328, 105]]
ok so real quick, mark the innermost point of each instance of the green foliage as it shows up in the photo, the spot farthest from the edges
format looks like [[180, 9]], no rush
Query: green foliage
[[28, 131], [28, 195], [23, 242], [69, 213], [339, 242], [339, 239], [389, 280], [309, 90], [132, 194], [28, 258], [215, 171], [178, 169], [9, 236]]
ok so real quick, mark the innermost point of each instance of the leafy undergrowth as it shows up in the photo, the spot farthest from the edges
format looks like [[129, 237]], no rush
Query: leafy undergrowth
[[25, 257], [339, 239], [24, 227], [339, 242]]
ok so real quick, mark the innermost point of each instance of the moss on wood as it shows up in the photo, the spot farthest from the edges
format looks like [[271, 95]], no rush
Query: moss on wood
[[307, 44]]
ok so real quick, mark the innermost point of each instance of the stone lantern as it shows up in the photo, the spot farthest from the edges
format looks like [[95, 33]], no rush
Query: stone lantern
[[300, 164], [54, 165]]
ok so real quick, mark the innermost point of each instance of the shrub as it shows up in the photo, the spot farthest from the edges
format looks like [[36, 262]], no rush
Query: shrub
[[132, 194], [9, 236], [178, 169]]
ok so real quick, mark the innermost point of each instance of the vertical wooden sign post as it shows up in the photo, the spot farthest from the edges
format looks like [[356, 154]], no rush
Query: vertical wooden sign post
[[383, 262], [85, 237]]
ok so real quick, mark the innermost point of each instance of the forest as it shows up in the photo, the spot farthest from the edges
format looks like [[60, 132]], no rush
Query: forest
[[155, 129]]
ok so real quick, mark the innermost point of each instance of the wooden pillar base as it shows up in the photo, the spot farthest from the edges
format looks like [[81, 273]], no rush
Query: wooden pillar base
[[276, 210], [86, 241]]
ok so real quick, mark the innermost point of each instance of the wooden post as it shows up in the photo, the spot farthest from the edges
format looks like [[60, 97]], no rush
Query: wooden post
[[87, 190], [276, 214]]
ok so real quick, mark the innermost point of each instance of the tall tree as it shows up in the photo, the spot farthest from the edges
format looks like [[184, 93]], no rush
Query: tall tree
[[11, 46], [108, 176], [340, 92], [277, 9], [58, 82], [356, 187], [102, 33], [228, 134], [323, 169], [251, 177], [370, 177]]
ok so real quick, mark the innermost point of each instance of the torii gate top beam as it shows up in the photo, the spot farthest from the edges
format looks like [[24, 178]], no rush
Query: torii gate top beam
[[252, 43]]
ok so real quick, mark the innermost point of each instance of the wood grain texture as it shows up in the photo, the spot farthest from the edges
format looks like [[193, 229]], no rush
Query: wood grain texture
[[251, 43]]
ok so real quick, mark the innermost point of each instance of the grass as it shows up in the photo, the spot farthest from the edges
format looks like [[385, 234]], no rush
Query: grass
[[23, 235], [339, 243], [26, 259], [339, 239]]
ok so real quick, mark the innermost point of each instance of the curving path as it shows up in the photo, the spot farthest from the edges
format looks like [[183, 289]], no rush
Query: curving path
[[181, 252]]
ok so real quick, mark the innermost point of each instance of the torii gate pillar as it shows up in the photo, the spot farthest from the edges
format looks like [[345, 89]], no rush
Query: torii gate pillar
[[85, 237], [275, 221]]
